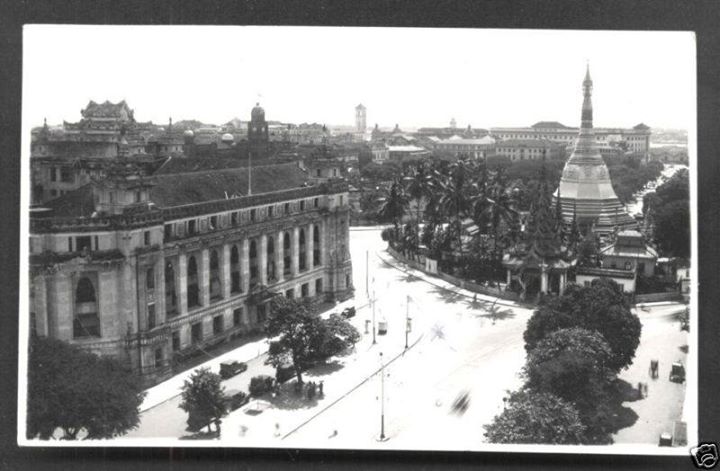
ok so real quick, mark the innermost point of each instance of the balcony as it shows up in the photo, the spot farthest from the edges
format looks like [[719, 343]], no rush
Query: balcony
[[155, 336]]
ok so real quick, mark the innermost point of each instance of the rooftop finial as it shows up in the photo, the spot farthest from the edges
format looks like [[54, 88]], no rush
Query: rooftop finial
[[587, 71]]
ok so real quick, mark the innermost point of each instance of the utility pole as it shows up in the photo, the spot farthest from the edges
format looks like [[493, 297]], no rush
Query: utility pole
[[373, 315], [382, 398], [407, 322]]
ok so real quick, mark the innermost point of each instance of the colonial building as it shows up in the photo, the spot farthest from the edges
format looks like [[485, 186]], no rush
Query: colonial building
[[635, 140], [151, 269], [530, 149], [475, 148], [65, 158], [585, 190], [258, 132]]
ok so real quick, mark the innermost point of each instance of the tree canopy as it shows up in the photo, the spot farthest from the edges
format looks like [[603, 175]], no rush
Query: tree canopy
[[536, 417], [304, 337], [668, 209], [203, 399], [76, 391], [600, 307]]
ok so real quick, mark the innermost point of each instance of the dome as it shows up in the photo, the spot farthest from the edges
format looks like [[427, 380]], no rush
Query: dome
[[227, 137], [257, 114], [189, 133]]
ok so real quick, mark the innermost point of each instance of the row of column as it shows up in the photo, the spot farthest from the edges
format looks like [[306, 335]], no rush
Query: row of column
[[225, 268]]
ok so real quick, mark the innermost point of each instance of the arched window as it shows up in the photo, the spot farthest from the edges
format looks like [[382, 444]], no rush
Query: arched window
[[302, 262], [316, 245], [215, 286], [270, 258], [170, 295], [86, 322], [193, 291], [150, 279], [286, 254], [235, 280], [253, 263]]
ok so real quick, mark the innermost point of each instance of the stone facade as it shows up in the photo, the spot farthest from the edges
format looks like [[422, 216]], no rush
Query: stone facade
[[150, 284]]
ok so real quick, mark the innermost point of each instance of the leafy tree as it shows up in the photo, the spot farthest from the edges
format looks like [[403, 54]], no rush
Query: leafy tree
[[203, 399], [394, 205], [588, 252], [601, 307], [672, 228], [304, 337], [536, 418], [75, 390]]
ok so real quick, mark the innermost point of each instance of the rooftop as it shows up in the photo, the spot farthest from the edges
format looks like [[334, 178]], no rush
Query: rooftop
[[528, 143]]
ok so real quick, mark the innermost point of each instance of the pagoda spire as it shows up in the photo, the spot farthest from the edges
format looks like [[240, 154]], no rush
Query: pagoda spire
[[586, 120]]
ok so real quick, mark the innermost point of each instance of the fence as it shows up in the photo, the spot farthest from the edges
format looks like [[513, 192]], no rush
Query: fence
[[657, 297], [468, 285]]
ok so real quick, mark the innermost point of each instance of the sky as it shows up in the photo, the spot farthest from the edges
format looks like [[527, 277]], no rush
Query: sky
[[408, 76]]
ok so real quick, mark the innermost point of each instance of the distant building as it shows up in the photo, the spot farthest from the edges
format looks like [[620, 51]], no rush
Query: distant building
[[360, 118], [406, 152], [258, 132], [380, 152], [475, 148], [530, 149], [630, 252], [608, 140]]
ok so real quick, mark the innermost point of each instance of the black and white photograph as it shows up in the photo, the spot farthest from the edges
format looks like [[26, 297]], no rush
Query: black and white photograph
[[356, 238]]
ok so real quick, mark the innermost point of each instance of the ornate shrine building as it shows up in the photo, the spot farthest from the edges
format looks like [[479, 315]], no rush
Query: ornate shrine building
[[151, 269]]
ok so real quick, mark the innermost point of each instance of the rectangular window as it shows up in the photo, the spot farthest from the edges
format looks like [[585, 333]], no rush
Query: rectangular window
[[287, 208], [53, 192], [53, 176], [138, 196], [218, 324], [192, 227], [176, 340], [97, 243], [151, 316], [302, 205], [316, 202], [83, 243], [213, 223], [304, 290], [252, 215], [168, 231], [234, 218], [290, 293], [196, 331], [33, 324], [146, 238], [70, 244], [318, 286], [261, 314], [237, 316], [347, 281], [270, 211], [158, 356]]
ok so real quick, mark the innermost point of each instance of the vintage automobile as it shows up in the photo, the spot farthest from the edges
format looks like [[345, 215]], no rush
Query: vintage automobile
[[677, 372], [236, 399], [382, 327], [665, 439], [348, 312], [228, 369]]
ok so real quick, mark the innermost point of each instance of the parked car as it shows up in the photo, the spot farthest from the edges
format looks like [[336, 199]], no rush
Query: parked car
[[348, 312], [228, 369], [665, 439], [236, 399], [382, 327], [677, 372]]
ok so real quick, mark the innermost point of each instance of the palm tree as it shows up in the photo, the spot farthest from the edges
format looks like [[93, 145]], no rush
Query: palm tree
[[455, 198], [394, 205], [418, 188]]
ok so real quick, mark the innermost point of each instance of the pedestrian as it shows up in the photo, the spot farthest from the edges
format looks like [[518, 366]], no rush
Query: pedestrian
[[243, 430], [640, 390], [475, 299], [333, 434], [322, 394], [277, 429]]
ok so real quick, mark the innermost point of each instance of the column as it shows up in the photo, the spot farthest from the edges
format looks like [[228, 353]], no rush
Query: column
[[63, 306], [563, 281], [245, 265], [181, 284], [543, 279], [204, 277], [295, 251], [323, 242], [509, 277], [226, 282], [262, 260], [279, 249], [159, 268], [309, 246], [40, 307]]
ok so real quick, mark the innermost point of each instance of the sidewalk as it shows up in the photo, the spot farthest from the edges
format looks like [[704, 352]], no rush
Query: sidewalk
[[172, 387], [440, 283]]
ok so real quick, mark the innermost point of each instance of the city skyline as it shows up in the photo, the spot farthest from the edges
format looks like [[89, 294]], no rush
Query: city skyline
[[534, 75]]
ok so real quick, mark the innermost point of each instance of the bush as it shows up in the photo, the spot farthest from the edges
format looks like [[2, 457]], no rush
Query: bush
[[261, 384]]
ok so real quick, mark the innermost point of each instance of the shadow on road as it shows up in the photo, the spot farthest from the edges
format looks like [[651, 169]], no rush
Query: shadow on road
[[324, 369], [497, 314], [450, 297], [288, 399]]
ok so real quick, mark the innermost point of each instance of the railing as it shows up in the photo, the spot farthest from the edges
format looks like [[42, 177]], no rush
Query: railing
[[154, 336]]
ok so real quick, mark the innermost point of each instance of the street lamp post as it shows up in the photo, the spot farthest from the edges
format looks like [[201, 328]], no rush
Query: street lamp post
[[382, 398], [407, 320], [373, 316]]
